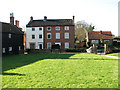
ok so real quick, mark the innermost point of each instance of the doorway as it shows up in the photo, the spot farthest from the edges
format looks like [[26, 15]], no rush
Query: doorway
[[40, 46]]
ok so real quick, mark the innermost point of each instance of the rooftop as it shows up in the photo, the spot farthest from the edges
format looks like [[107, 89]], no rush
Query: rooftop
[[50, 22], [100, 35]]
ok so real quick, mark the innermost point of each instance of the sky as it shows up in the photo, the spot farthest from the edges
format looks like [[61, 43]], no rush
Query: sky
[[103, 14]]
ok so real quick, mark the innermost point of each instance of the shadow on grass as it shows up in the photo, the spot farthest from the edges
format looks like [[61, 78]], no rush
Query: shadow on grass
[[14, 61], [13, 74]]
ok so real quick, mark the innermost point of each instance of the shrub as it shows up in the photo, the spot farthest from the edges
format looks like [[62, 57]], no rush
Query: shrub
[[76, 50]]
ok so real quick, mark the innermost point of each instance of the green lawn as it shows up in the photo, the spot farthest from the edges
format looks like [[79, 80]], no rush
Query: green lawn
[[114, 54], [55, 70]]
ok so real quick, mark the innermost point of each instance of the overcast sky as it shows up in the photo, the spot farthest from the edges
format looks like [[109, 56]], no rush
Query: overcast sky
[[103, 14]]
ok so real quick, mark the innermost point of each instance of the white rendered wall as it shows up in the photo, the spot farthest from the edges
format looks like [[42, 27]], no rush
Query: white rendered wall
[[29, 39]]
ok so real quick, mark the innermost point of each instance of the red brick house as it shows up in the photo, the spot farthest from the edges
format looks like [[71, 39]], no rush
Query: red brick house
[[55, 31], [99, 37]]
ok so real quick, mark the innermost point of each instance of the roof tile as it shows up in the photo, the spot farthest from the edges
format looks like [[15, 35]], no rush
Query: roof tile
[[98, 35]]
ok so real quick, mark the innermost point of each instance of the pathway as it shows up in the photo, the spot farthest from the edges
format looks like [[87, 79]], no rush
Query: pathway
[[112, 56]]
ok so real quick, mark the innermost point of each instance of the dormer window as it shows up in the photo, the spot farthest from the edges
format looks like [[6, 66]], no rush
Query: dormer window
[[9, 35]]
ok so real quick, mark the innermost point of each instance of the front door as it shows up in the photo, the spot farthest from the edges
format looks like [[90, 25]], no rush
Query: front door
[[32, 45], [40, 46]]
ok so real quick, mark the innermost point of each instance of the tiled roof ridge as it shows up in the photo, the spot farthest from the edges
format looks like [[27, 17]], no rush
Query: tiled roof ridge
[[50, 19]]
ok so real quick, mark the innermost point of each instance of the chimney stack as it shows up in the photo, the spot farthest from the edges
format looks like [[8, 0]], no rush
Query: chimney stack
[[17, 23], [100, 31], [11, 19], [31, 18], [45, 18], [73, 19]]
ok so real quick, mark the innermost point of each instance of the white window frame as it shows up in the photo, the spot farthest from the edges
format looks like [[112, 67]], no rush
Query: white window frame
[[95, 41], [48, 34], [107, 40], [19, 48], [3, 50], [57, 35], [48, 29], [9, 35], [10, 49], [66, 27], [57, 28], [66, 45], [49, 47], [66, 35]]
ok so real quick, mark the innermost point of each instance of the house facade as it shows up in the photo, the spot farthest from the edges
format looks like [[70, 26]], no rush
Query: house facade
[[99, 37], [12, 38], [49, 32], [34, 37]]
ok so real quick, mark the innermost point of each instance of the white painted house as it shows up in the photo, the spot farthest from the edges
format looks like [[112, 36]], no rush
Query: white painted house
[[34, 37]]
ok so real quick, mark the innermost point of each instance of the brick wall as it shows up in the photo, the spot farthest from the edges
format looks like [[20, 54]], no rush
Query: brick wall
[[62, 36]]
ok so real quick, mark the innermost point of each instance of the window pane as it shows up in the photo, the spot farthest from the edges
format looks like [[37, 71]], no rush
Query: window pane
[[66, 35], [107, 41], [3, 50], [48, 35], [48, 45], [94, 41], [9, 35], [33, 29], [66, 27], [66, 45], [33, 36], [57, 35], [49, 28], [57, 28], [40, 36], [40, 28], [19, 48], [10, 48]]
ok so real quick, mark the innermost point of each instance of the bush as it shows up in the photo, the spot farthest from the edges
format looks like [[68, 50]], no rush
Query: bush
[[76, 50]]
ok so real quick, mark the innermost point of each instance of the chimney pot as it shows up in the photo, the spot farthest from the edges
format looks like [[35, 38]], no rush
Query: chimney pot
[[73, 19], [17, 23], [101, 32], [11, 19], [31, 18], [45, 18]]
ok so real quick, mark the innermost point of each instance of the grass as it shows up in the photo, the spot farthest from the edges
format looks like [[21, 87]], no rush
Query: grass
[[115, 54], [54, 70]]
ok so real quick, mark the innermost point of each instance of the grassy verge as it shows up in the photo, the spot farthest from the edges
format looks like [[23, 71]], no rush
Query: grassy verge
[[54, 70]]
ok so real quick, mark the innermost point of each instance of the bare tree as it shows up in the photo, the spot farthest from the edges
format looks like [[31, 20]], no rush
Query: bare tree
[[81, 28]]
